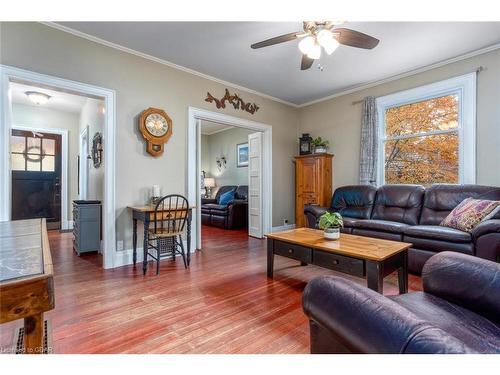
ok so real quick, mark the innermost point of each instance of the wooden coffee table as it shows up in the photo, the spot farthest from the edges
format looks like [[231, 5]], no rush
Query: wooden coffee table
[[368, 257]]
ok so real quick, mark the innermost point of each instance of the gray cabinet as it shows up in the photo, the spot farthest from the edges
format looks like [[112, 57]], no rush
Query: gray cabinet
[[86, 226]]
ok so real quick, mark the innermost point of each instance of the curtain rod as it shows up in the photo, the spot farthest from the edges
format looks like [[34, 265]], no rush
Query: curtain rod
[[477, 70]]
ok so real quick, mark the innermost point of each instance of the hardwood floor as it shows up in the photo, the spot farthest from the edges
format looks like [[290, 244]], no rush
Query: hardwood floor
[[223, 303]]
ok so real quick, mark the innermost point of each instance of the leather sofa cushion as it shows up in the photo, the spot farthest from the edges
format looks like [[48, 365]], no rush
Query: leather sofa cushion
[[215, 209], [382, 225], [354, 201], [349, 222], [438, 246], [436, 232], [400, 203], [377, 234], [479, 333], [440, 199]]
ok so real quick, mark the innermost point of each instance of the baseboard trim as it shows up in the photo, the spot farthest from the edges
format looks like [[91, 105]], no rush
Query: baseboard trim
[[126, 257], [283, 227]]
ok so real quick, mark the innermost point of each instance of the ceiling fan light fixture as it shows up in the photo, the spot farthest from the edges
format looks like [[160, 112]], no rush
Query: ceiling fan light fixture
[[314, 52], [327, 41], [38, 98], [306, 44]]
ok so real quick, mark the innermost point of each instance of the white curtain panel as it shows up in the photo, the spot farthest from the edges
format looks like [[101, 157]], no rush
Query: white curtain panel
[[369, 143]]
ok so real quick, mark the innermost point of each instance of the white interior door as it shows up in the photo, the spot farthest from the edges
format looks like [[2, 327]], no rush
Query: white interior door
[[255, 185]]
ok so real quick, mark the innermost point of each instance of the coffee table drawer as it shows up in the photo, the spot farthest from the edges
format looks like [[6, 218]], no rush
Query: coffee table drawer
[[339, 263], [289, 250]]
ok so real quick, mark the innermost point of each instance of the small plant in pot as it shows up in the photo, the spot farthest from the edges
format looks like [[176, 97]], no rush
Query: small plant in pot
[[320, 145], [331, 222]]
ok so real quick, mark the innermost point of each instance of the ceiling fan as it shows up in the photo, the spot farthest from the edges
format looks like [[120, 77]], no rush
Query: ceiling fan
[[321, 34]]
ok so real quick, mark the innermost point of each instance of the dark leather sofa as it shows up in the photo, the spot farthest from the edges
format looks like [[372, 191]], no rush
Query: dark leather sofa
[[411, 213], [231, 216], [457, 312]]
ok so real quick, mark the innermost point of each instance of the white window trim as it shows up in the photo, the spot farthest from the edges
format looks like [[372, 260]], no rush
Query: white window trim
[[465, 87]]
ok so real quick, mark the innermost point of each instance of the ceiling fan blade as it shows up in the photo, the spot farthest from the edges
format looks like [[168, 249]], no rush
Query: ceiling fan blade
[[276, 40], [353, 38], [306, 62]]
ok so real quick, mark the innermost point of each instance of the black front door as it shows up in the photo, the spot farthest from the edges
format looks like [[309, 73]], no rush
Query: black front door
[[36, 176]]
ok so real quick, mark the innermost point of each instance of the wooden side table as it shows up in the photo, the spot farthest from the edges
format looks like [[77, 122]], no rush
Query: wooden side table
[[146, 215]]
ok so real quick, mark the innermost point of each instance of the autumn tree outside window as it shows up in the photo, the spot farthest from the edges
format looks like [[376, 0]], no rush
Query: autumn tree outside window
[[427, 134]]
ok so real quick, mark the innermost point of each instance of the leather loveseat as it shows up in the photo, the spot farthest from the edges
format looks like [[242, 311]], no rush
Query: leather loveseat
[[231, 216], [457, 312], [411, 213]]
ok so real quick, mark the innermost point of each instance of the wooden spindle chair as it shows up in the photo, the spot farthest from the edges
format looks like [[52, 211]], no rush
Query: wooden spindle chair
[[170, 217]]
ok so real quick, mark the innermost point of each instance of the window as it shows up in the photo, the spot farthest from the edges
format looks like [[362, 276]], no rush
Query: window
[[31, 153], [426, 135]]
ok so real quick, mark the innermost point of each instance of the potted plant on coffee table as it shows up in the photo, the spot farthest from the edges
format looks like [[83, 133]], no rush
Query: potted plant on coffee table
[[320, 145], [331, 222]]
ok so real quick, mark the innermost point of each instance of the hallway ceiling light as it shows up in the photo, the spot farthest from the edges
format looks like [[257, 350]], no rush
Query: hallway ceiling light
[[38, 98]]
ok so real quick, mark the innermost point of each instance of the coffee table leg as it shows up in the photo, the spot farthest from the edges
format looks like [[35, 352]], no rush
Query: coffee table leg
[[375, 276], [403, 274], [270, 257]]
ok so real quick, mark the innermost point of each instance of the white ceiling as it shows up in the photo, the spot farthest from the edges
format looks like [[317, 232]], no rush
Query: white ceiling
[[222, 50], [59, 101], [209, 128]]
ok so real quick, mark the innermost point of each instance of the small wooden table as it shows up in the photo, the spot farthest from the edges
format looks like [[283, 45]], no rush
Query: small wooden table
[[146, 215], [26, 278], [368, 257]]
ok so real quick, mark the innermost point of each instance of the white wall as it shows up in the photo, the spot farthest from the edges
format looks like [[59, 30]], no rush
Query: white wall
[[205, 154], [92, 116], [39, 117], [224, 143]]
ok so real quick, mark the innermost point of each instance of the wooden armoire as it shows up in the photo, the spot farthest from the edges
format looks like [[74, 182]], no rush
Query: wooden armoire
[[313, 183]]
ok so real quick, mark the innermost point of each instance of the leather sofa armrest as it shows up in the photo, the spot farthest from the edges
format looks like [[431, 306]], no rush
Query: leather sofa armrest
[[464, 280], [208, 200], [238, 202], [361, 319], [313, 213], [486, 227]]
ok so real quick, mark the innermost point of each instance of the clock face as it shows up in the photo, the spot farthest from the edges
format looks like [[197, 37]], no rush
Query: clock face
[[156, 125]]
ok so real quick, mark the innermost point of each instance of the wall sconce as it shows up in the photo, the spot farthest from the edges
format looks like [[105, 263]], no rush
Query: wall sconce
[[221, 162]]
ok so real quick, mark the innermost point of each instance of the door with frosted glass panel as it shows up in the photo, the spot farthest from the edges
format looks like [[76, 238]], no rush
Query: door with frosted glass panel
[[36, 176]]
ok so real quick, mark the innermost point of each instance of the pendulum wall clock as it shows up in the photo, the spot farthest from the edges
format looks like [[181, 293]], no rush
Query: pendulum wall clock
[[156, 128]]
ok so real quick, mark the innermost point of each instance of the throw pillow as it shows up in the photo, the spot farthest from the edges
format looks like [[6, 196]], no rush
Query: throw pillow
[[226, 198], [469, 213]]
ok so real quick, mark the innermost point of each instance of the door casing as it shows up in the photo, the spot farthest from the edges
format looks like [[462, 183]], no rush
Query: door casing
[[195, 115]]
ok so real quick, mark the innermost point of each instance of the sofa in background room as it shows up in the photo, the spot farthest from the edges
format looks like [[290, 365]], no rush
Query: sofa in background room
[[234, 215]]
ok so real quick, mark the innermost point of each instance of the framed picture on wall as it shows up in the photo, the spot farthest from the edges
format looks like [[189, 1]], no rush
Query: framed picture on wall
[[242, 155]]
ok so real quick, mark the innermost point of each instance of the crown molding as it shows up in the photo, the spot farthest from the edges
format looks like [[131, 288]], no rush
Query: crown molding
[[162, 61], [347, 91], [217, 131], [403, 75]]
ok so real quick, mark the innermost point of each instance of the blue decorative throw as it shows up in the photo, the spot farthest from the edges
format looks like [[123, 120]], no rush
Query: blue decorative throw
[[226, 198]]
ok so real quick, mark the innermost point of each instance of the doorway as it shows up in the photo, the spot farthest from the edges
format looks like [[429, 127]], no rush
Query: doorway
[[259, 197], [36, 176], [10, 75]]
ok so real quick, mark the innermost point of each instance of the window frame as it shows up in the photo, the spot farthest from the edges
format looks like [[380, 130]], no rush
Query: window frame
[[25, 153], [464, 87]]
